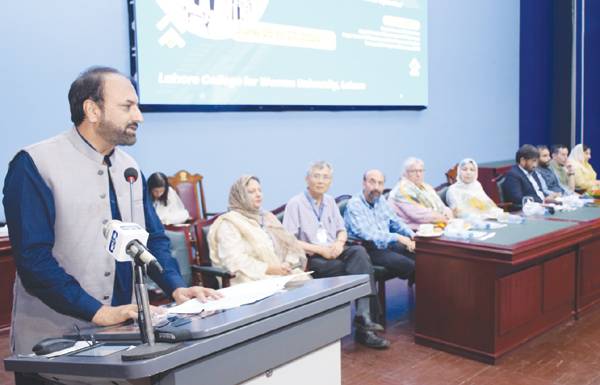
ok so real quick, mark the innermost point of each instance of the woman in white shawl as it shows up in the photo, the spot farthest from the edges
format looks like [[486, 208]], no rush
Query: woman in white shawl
[[585, 176], [466, 197], [251, 242], [415, 201]]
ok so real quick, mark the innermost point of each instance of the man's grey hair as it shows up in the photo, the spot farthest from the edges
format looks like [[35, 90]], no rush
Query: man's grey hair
[[319, 165], [408, 163]]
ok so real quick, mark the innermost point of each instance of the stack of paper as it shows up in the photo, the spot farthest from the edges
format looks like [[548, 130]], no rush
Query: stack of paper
[[237, 295]]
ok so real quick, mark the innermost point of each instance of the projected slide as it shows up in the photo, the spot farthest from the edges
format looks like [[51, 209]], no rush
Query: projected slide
[[281, 52]]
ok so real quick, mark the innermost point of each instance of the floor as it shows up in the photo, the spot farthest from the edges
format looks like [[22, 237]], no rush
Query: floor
[[568, 354]]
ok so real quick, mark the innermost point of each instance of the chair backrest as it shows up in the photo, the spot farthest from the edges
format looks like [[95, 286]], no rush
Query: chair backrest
[[386, 193], [204, 254], [180, 253], [278, 212], [203, 250], [442, 190], [342, 202], [499, 180], [452, 174], [191, 191]]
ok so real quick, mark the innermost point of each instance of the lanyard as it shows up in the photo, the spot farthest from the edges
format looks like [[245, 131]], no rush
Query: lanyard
[[318, 213]]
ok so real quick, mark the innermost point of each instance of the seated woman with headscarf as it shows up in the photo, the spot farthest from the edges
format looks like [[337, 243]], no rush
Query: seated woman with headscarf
[[251, 242], [585, 176], [166, 202], [415, 201], [466, 197]]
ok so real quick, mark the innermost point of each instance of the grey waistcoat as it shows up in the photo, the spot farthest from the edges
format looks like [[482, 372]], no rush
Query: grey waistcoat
[[78, 179]]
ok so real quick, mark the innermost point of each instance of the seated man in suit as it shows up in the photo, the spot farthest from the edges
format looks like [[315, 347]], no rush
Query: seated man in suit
[[314, 218], [389, 241], [522, 181], [550, 182]]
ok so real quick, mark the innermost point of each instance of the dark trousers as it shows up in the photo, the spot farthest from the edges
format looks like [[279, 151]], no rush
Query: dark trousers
[[395, 258], [353, 260]]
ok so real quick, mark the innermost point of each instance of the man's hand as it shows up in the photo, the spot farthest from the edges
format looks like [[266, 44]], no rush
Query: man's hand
[[336, 249], [406, 241], [552, 197], [325, 251], [112, 315], [183, 294]]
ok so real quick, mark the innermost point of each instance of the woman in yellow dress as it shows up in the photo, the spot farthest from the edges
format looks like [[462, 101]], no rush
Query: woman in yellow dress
[[585, 176]]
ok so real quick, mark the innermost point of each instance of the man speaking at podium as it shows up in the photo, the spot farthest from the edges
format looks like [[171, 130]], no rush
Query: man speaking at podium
[[58, 195]]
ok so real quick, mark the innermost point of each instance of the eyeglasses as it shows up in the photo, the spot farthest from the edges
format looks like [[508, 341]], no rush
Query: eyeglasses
[[323, 177], [419, 170]]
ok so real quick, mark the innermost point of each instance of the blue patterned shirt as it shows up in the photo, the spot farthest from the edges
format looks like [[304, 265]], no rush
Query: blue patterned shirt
[[374, 222]]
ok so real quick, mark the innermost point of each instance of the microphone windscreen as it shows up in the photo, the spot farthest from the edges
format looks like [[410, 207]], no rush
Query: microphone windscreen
[[131, 175]]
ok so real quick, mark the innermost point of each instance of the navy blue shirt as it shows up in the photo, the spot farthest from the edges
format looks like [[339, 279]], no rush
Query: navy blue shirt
[[30, 214]]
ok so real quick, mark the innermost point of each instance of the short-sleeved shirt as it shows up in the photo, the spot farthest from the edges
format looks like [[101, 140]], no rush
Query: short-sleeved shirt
[[303, 218]]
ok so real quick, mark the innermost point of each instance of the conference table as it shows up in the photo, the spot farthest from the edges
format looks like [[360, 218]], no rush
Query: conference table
[[481, 299]]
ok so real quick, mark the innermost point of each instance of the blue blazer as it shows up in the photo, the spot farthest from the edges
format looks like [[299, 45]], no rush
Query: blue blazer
[[516, 185]]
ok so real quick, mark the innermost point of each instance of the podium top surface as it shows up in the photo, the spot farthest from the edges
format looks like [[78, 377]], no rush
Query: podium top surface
[[213, 333]]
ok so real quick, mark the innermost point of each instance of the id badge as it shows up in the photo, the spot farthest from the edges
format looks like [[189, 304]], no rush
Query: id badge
[[321, 235]]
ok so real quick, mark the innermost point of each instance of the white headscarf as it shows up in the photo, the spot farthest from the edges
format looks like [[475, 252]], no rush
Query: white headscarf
[[474, 185], [578, 154], [468, 198], [585, 175]]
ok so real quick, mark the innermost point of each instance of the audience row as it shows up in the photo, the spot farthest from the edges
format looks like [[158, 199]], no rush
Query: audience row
[[253, 244]]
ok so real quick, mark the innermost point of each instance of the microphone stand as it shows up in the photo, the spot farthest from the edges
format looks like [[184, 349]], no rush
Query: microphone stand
[[141, 297], [131, 181], [149, 347]]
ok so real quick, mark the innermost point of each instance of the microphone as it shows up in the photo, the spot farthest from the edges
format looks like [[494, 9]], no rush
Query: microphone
[[125, 242], [139, 252], [131, 176]]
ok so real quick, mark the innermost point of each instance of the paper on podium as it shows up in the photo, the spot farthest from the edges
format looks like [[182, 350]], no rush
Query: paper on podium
[[238, 295]]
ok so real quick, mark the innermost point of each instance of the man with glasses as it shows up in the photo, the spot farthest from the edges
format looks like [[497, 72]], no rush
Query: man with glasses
[[314, 218]]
